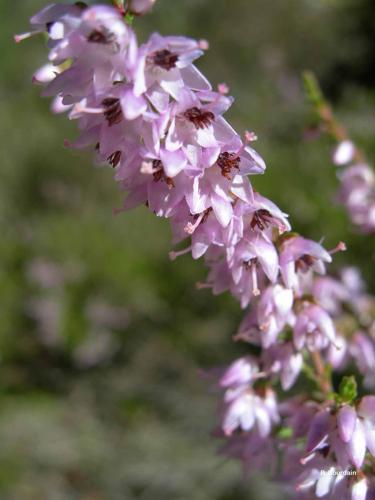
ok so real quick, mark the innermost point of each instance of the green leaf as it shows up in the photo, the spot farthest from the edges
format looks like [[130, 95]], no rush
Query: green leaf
[[285, 433], [312, 88], [129, 18], [286, 336], [348, 389]]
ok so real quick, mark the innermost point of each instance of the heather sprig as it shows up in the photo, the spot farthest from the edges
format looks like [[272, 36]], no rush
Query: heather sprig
[[149, 113]]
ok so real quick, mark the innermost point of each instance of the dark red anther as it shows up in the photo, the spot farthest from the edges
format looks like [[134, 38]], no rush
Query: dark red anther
[[102, 36], [199, 117], [304, 263], [159, 175], [113, 111], [227, 162], [165, 59], [261, 219], [115, 158]]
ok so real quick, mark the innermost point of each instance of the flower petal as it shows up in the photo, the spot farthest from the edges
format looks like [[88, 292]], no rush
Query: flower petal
[[346, 421], [318, 432], [356, 447], [222, 208], [173, 161]]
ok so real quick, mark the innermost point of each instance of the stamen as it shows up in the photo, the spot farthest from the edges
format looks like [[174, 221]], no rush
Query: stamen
[[227, 162], [203, 44], [115, 158], [223, 88], [102, 36], [199, 117], [147, 168], [206, 214], [340, 247], [199, 219], [304, 460], [261, 219], [190, 227], [173, 255], [113, 110], [251, 265], [159, 174], [203, 286], [164, 59], [23, 36], [250, 136], [80, 108], [304, 263], [254, 278], [157, 165]]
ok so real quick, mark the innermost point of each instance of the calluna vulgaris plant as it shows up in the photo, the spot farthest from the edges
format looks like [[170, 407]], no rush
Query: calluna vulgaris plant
[[148, 112]]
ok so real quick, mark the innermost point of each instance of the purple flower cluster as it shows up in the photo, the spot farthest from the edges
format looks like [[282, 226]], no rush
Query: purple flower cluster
[[353, 311], [147, 111], [328, 446], [357, 191], [339, 448]]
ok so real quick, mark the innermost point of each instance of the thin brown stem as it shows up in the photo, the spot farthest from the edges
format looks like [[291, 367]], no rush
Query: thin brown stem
[[322, 377], [120, 6], [334, 128], [324, 111]]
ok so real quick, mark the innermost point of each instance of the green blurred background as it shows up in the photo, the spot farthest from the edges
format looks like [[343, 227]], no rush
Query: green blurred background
[[102, 338]]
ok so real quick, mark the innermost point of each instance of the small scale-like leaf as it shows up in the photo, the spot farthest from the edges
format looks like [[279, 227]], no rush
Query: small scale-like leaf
[[348, 389]]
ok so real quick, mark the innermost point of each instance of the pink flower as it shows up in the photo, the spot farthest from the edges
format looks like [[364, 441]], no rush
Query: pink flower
[[342, 435], [164, 68], [283, 359], [344, 153], [362, 350], [240, 372], [56, 19], [299, 255], [273, 312], [244, 409], [337, 353], [268, 317], [331, 293], [357, 194], [313, 329], [262, 215], [359, 489], [366, 411]]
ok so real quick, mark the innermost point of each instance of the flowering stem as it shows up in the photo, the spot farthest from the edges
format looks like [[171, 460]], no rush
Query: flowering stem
[[324, 111], [254, 260]]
